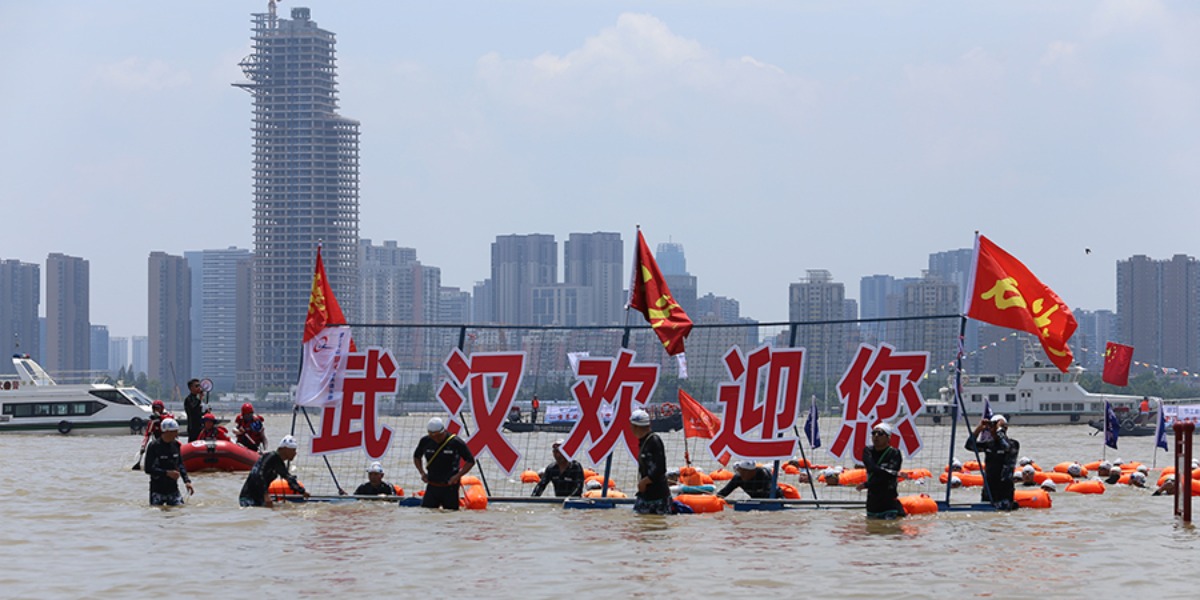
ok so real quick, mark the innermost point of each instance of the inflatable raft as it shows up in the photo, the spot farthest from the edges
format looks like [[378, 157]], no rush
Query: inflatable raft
[[216, 455]]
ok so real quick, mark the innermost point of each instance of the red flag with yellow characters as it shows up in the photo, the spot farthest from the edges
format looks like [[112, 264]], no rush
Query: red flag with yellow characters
[[323, 307], [1005, 293], [650, 296]]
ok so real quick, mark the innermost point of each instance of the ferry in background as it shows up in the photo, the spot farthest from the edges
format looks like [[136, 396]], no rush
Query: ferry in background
[[34, 403], [1039, 395]]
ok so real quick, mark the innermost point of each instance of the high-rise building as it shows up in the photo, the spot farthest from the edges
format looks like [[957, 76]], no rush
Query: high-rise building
[[305, 186], [725, 310], [214, 315], [671, 259], [482, 310], [244, 375], [139, 354], [815, 299], [563, 304], [169, 320], [932, 296], [519, 264], [456, 306], [20, 296], [673, 264], [873, 292], [1158, 310], [596, 261], [1096, 329], [68, 334], [396, 288], [118, 355], [953, 266], [99, 356]]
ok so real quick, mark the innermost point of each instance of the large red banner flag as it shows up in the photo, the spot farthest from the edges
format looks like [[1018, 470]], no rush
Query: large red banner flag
[[650, 296], [1003, 292], [326, 344], [1117, 358]]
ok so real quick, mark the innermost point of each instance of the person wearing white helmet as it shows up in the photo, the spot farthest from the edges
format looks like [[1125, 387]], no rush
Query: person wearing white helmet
[[1167, 488], [271, 466], [1028, 474], [442, 459], [1000, 460], [564, 473], [1049, 486], [164, 465], [375, 485], [1137, 479], [653, 492], [883, 464], [752, 479]]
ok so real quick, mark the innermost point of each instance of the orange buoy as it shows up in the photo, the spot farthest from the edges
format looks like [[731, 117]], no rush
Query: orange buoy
[[790, 491], [967, 479], [1092, 466], [918, 504], [1195, 473], [280, 488], [972, 465], [530, 476], [1168, 471], [1091, 486], [470, 480], [399, 490], [852, 477], [1124, 478], [589, 473], [791, 469], [1065, 467], [611, 494], [600, 478], [1196, 487], [702, 503], [915, 474], [474, 497], [705, 479], [721, 475], [1054, 476], [690, 476], [1032, 498]]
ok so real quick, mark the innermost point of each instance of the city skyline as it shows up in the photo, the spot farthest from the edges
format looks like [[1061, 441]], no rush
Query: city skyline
[[671, 116]]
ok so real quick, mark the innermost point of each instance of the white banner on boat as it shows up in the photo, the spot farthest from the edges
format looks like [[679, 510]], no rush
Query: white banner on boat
[[1185, 412]]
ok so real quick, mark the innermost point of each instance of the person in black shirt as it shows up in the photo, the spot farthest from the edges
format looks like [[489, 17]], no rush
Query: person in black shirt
[[270, 466], [654, 494], [375, 485], [564, 473], [191, 407], [883, 463], [753, 479], [164, 465], [442, 459], [1000, 460]]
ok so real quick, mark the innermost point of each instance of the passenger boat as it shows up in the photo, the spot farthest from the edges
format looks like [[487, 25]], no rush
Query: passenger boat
[[1039, 395], [561, 419], [34, 403], [216, 455]]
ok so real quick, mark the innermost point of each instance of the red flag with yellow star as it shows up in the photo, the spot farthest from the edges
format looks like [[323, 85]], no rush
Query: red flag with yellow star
[[1003, 292], [1117, 358], [327, 341], [650, 296]]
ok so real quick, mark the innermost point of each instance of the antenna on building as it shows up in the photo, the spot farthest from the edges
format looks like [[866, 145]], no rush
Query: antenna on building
[[271, 12]]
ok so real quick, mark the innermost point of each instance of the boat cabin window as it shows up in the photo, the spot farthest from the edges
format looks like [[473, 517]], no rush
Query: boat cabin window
[[1056, 377], [993, 397], [52, 409], [137, 396], [1056, 406], [113, 396], [1010, 397], [976, 398], [1078, 406], [1039, 377]]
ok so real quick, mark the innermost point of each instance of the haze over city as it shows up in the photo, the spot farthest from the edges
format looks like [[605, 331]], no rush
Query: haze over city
[[767, 137]]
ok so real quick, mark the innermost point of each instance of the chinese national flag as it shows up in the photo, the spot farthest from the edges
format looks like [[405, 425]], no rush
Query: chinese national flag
[[699, 422], [650, 296], [326, 343], [1004, 293], [1117, 358]]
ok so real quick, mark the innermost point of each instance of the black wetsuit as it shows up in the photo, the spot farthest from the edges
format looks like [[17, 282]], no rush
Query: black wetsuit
[[270, 466], [566, 483], [652, 463], [440, 468], [758, 486], [162, 457], [882, 468], [191, 407], [367, 489], [1000, 461]]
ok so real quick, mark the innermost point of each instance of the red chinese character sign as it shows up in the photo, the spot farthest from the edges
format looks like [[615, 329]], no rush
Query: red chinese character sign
[[609, 383], [881, 385], [503, 371], [354, 421], [757, 427]]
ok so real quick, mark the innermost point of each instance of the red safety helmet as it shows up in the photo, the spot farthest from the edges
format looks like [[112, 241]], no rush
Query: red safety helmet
[[158, 404], [247, 408], [209, 417]]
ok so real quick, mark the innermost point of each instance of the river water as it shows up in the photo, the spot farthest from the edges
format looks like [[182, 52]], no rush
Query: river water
[[77, 524]]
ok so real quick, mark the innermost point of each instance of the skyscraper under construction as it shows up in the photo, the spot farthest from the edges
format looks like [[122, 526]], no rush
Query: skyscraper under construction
[[305, 188]]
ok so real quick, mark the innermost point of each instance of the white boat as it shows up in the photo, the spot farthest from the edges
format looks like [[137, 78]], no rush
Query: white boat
[[1039, 395], [34, 403]]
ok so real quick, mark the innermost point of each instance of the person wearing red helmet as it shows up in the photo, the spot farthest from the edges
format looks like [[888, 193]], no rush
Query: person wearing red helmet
[[209, 429], [249, 429], [158, 412]]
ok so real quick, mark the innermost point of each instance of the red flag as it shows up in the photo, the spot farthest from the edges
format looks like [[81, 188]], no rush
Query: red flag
[[1005, 293], [700, 422], [650, 296], [323, 308], [1117, 358]]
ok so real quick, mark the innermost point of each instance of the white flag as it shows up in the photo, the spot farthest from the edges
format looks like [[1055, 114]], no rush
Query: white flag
[[324, 368]]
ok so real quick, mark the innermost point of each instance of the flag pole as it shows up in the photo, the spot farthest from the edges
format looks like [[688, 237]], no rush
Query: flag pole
[[637, 261]]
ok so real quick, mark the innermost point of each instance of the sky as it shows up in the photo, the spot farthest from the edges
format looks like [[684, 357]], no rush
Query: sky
[[768, 137]]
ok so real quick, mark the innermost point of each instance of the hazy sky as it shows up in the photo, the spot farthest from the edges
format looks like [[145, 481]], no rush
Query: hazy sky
[[769, 137]]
